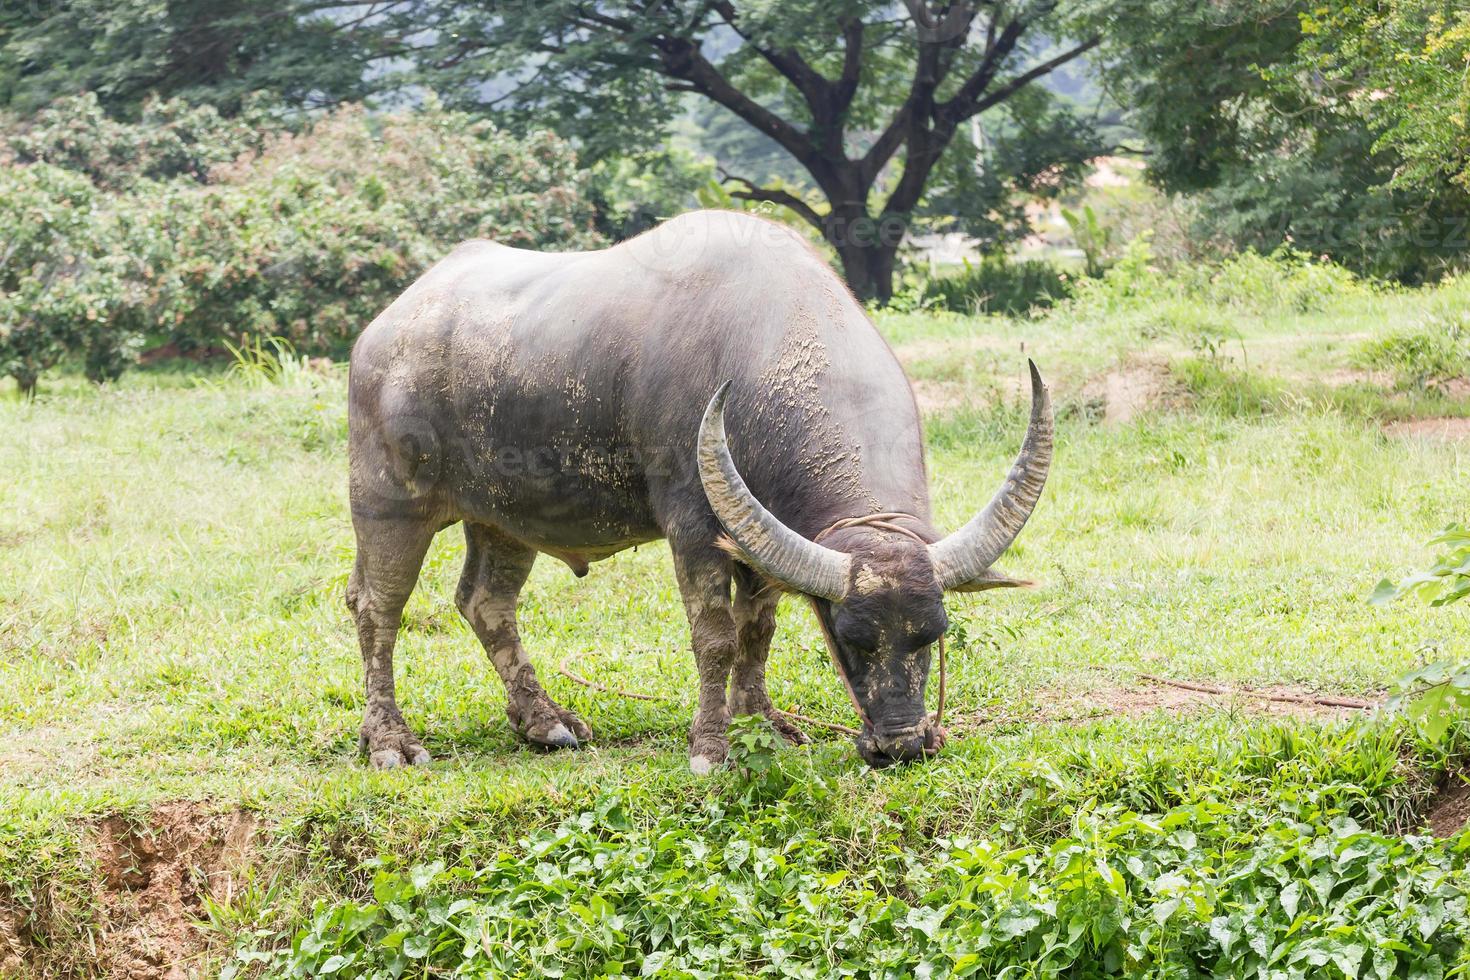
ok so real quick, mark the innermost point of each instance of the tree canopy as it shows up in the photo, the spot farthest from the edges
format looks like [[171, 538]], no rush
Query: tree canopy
[[873, 102], [1338, 126]]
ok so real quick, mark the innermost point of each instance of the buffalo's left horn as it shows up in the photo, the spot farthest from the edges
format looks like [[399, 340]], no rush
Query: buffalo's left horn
[[964, 556], [773, 548]]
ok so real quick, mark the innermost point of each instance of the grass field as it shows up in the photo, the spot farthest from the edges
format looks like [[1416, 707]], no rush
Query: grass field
[[179, 680]]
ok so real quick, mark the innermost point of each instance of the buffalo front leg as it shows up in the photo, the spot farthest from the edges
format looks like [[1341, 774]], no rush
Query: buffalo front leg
[[389, 555], [704, 584], [495, 568], [755, 624]]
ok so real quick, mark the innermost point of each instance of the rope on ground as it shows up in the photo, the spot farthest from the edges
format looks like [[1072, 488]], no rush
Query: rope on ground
[[566, 671], [831, 726], [1331, 702]]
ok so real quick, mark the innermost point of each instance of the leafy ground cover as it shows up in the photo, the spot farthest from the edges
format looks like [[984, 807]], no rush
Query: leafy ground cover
[[179, 689]]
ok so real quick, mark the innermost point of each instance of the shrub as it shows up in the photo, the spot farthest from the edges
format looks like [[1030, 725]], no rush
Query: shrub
[[316, 234], [1247, 282], [171, 139], [1199, 890], [995, 284], [211, 231], [63, 286], [1437, 351]]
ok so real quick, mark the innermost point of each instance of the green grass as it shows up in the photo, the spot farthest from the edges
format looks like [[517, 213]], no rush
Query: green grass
[[171, 627]]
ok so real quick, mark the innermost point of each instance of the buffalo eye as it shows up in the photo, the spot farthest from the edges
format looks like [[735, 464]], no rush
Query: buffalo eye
[[928, 631], [856, 632]]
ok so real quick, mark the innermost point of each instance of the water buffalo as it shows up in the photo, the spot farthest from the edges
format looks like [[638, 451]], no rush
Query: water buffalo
[[711, 382]]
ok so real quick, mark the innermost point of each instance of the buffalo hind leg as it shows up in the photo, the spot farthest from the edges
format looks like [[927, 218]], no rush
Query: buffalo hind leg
[[389, 555], [704, 584], [755, 624], [495, 568]]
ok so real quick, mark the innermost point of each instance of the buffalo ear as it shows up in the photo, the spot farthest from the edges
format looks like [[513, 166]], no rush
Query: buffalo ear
[[992, 579]]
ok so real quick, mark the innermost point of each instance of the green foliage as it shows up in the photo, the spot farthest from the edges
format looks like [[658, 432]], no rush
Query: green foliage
[[1248, 283], [64, 283], [201, 240], [995, 284], [1436, 697], [1445, 582], [709, 891], [756, 751], [1401, 66], [1305, 131], [261, 362], [170, 139], [1090, 235], [1434, 352], [635, 192], [221, 52]]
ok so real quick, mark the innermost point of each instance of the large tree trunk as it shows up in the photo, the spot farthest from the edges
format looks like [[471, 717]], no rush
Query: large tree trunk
[[868, 270], [868, 248], [26, 380]]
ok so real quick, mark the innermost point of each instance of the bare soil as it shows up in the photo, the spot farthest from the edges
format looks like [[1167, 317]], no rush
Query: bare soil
[[1443, 430], [1142, 698], [152, 881], [1133, 388], [14, 940], [1450, 810]]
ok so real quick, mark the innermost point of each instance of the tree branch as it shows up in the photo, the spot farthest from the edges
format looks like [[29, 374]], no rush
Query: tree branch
[[852, 63], [911, 122], [997, 48], [1026, 78], [786, 199], [812, 85], [682, 60]]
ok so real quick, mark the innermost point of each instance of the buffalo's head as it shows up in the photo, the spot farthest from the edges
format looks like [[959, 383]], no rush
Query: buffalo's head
[[878, 587]]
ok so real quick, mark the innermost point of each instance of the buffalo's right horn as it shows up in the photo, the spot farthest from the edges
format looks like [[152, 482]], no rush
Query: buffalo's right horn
[[773, 548], [963, 557]]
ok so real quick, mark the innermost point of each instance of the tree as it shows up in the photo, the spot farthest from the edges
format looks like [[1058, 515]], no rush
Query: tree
[[1404, 66], [886, 108], [1329, 125], [216, 51], [871, 99]]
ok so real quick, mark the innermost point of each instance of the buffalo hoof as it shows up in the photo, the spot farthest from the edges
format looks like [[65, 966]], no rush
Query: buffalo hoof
[[389, 751], [707, 754], [548, 726], [559, 737]]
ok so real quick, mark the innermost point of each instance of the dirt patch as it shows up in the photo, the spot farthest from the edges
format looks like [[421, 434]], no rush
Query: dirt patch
[[14, 940], [940, 397], [1343, 377], [1148, 696], [1133, 388], [1143, 698], [1450, 809], [1443, 430], [152, 882]]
